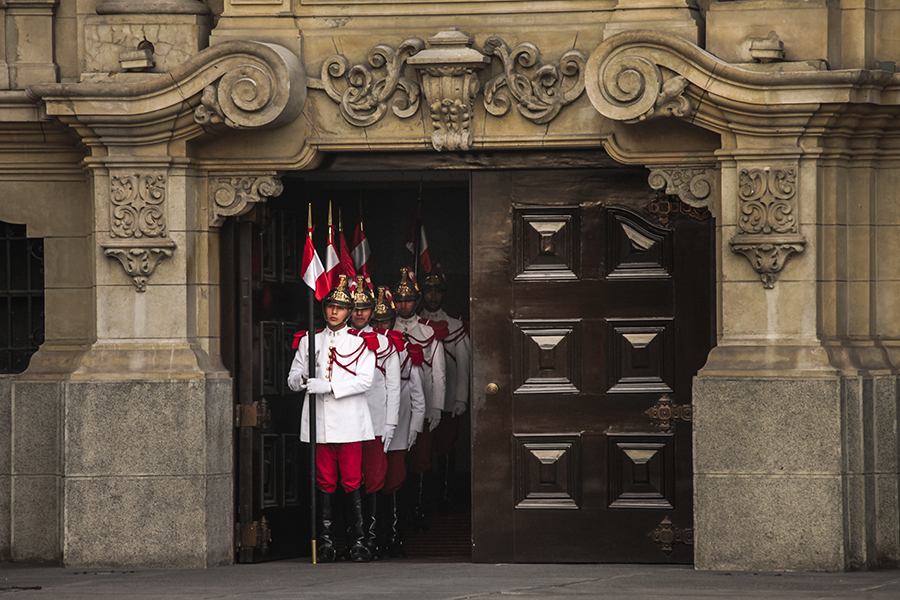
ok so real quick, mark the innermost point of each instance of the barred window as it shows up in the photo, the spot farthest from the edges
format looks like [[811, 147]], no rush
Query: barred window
[[21, 297]]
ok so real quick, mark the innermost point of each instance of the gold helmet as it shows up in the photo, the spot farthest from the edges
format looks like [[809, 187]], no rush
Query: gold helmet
[[407, 289], [340, 295], [362, 297], [435, 280], [384, 305]]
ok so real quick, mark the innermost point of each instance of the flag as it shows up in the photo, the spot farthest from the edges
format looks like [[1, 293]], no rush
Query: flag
[[424, 257], [346, 259], [313, 271], [332, 262], [361, 251]]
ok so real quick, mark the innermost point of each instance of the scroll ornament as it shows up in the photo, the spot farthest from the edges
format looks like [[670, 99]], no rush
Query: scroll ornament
[[540, 90], [235, 195], [138, 238], [364, 91], [633, 89], [768, 231], [694, 186]]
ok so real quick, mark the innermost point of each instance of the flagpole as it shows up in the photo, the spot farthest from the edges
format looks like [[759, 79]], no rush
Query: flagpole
[[417, 234], [311, 302]]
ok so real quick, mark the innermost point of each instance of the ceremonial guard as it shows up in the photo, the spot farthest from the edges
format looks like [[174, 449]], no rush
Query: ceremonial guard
[[418, 334], [454, 336], [384, 407], [345, 369], [410, 421]]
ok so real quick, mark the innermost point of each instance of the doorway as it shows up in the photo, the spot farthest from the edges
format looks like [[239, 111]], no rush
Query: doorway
[[590, 298]]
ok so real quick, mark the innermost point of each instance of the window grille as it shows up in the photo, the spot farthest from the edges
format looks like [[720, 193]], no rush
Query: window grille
[[21, 297]]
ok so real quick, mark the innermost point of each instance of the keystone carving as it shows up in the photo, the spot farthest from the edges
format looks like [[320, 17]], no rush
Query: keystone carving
[[768, 231], [632, 89], [137, 234], [540, 90], [363, 91], [235, 194], [694, 186], [449, 77]]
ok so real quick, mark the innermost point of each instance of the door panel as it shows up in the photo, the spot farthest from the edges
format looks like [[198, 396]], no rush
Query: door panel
[[584, 314]]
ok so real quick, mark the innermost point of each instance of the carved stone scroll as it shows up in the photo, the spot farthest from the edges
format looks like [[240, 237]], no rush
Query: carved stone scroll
[[632, 88], [364, 90], [449, 77], [138, 236], [696, 187], [768, 228], [231, 195], [540, 90]]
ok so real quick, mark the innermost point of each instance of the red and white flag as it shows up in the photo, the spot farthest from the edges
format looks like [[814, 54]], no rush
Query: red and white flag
[[424, 257], [361, 252], [346, 259], [332, 261], [312, 269]]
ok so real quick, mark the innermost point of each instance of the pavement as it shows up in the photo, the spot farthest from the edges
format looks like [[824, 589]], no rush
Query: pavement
[[417, 580]]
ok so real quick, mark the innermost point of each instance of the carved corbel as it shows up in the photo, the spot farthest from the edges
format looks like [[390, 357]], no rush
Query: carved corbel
[[696, 187], [449, 77], [540, 90], [631, 88], [768, 229], [138, 236], [231, 195]]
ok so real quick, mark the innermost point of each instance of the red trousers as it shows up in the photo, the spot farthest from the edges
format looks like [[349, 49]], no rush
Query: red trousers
[[339, 459], [396, 471], [420, 455], [446, 433], [374, 464]]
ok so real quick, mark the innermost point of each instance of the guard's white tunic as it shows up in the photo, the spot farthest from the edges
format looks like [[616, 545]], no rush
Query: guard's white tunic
[[343, 415], [457, 353], [412, 403], [384, 395], [434, 379]]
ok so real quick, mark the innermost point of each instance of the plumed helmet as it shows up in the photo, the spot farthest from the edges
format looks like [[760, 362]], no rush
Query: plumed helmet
[[362, 297], [340, 295], [435, 280], [407, 289], [384, 305]]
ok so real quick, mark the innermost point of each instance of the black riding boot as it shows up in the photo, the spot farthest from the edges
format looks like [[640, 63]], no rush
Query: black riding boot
[[419, 519], [394, 544], [325, 540], [357, 541], [444, 472], [372, 521]]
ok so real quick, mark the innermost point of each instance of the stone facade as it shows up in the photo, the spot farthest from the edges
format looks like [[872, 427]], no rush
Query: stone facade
[[132, 130]]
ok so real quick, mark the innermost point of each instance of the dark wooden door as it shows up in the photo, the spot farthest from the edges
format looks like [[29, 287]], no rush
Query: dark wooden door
[[263, 302], [585, 313]]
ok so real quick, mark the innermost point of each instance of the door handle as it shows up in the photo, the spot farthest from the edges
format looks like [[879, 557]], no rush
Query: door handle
[[491, 389]]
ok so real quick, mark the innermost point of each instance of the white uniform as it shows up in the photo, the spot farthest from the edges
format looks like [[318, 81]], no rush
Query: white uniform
[[412, 404], [343, 415], [384, 395], [457, 353], [415, 331]]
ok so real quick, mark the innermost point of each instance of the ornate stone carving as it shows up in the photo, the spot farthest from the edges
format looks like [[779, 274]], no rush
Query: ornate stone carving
[[694, 186], [632, 88], [137, 229], [540, 90], [363, 91], [768, 230], [448, 68], [236, 194], [263, 90]]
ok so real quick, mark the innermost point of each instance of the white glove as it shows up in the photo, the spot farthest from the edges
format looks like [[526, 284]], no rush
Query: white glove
[[412, 439], [388, 435], [296, 382], [318, 386], [459, 407], [434, 417]]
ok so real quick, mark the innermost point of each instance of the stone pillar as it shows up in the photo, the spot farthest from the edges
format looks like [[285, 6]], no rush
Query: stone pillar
[[680, 17], [29, 40]]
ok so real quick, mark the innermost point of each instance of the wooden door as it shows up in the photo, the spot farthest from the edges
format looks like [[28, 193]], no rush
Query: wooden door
[[586, 312], [263, 302]]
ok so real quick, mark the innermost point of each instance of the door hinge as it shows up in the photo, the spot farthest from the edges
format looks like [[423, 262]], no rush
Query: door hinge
[[255, 535], [252, 415], [664, 413]]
